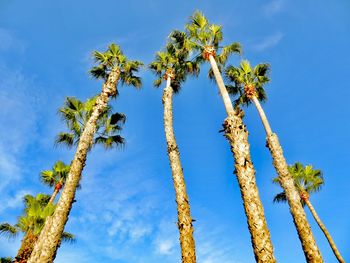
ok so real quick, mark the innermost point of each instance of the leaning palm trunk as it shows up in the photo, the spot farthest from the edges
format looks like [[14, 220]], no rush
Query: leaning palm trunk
[[237, 135], [26, 248], [58, 187], [53, 196], [306, 237], [183, 208], [50, 238], [325, 231]]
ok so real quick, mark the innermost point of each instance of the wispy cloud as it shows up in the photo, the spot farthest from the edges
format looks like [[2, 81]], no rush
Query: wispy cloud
[[273, 7], [167, 238], [268, 42], [15, 200]]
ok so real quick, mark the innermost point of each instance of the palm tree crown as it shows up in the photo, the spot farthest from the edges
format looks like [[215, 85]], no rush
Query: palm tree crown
[[307, 180], [248, 82], [205, 38], [114, 59], [76, 114], [173, 62], [33, 218], [56, 176]]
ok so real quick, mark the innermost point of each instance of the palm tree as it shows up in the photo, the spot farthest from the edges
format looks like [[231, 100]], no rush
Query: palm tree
[[76, 114], [248, 84], [173, 66], [37, 209], [205, 38], [308, 181], [113, 66], [55, 178]]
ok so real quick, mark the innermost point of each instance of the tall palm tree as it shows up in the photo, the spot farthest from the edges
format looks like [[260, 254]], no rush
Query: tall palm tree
[[249, 85], [113, 66], [173, 66], [31, 222], [205, 38], [55, 178], [307, 180]]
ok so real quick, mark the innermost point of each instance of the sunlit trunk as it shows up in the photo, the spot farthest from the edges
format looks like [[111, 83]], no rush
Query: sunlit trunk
[[183, 207], [53, 196], [306, 237], [50, 238], [237, 135], [26, 248], [325, 231]]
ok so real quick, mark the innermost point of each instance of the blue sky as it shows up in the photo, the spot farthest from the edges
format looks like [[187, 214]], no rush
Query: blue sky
[[125, 211]]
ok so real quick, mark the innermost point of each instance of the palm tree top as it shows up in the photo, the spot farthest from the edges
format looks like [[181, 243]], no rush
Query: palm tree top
[[114, 59], [76, 114], [248, 82], [306, 179], [37, 209], [205, 38], [56, 176], [173, 61]]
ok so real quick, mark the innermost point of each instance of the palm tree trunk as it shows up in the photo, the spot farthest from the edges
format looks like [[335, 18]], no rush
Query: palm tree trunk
[[223, 91], [237, 135], [325, 231], [26, 248], [262, 115], [183, 207], [50, 238], [306, 237], [53, 196]]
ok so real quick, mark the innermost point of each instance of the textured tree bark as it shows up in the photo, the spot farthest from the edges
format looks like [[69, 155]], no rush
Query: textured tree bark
[[237, 135], [311, 251], [50, 238], [183, 207], [325, 231], [26, 248]]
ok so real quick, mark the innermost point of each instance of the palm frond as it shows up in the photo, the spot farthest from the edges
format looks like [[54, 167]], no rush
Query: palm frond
[[280, 198], [110, 141], [65, 138], [68, 237], [99, 72], [117, 118], [227, 51], [8, 230]]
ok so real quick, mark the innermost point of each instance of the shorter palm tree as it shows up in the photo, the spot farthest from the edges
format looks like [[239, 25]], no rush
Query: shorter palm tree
[[55, 177], [31, 222], [76, 114], [308, 181], [113, 66]]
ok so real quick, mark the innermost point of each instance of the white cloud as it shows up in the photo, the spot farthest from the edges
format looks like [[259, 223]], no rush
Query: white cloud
[[14, 201], [274, 7], [268, 42], [167, 239]]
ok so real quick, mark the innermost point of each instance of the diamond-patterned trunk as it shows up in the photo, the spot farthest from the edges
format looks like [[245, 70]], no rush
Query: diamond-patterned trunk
[[183, 207], [237, 136]]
